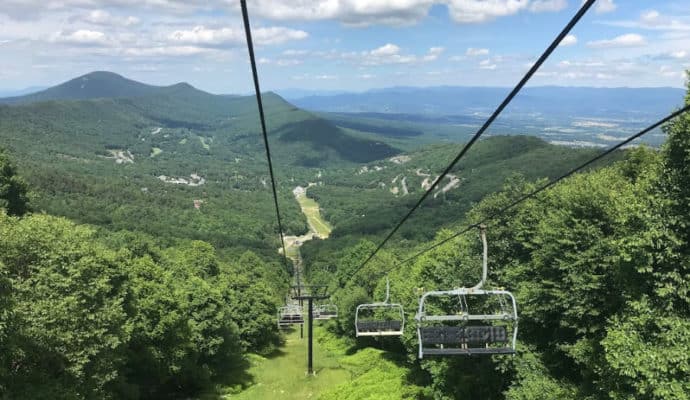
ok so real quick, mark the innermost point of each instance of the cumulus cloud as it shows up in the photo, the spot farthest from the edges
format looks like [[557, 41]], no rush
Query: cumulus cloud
[[82, 37], [101, 17], [548, 5], [350, 12], [389, 53], [433, 53], [627, 40], [476, 11], [569, 40], [203, 36], [398, 12], [487, 64], [164, 51], [386, 50], [605, 6], [472, 52]]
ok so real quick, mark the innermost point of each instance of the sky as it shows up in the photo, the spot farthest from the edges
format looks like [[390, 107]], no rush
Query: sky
[[351, 45]]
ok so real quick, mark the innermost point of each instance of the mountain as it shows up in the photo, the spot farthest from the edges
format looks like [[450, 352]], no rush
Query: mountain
[[99, 84], [572, 101], [293, 93], [138, 157]]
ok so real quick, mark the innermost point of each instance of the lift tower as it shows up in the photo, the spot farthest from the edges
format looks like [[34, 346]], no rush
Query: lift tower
[[310, 293]]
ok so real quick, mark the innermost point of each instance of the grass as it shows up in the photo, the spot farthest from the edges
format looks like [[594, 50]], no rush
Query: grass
[[155, 151], [341, 373], [310, 208], [283, 375]]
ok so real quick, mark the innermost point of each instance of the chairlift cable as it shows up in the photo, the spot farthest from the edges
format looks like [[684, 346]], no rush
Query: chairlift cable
[[535, 67], [262, 118], [546, 186]]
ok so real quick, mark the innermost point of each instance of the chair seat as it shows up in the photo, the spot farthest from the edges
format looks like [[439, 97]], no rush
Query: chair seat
[[468, 352]]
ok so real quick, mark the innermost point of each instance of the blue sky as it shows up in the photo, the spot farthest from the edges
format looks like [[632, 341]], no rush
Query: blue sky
[[344, 44]]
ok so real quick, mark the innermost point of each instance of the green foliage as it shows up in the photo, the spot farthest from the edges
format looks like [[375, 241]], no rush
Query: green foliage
[[13, 190], [71, 323], [79, 320], [647, 354], [675, 178]]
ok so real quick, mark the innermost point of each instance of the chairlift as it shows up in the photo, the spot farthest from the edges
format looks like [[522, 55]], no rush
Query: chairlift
[[290, 314], [325, 311], [485, 322], [380, 319]]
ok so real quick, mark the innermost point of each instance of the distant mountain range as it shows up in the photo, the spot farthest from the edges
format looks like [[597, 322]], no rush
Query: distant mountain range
[[547, 100], [305, 139]]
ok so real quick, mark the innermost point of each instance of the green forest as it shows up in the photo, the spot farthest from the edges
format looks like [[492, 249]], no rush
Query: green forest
[[113, 285]]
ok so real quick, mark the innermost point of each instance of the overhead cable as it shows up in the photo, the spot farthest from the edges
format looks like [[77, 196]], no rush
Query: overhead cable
[[533, 69], [548, 185], [250, 47]]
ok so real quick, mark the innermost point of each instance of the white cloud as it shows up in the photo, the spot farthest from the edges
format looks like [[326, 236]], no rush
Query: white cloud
[[605, 6], [101, 17], [476, 11], [202, 36], [569, 40], [627, 40], [82, 37], [294, 53], [548, 5], [388, 49], [472, 52], [487, 64], [433, 53], [398, 12], [679, 54], [383, 55], [654, 20], [164, 51], [350, 12], [671, 72]]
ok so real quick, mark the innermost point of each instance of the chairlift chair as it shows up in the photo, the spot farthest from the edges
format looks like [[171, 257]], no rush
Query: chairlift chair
[[325, 311], [290, 314], [485, 321], [380, 319]]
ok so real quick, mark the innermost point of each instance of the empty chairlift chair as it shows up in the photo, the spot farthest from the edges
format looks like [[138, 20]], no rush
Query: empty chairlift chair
[[291, 314], [380, 319], [325, 311], [482, 322]]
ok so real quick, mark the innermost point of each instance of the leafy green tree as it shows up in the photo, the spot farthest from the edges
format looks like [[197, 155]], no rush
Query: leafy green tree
[[13, 190], [71, 326]]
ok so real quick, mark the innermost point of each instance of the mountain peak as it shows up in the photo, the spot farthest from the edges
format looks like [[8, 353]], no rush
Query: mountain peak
[[98, 84]]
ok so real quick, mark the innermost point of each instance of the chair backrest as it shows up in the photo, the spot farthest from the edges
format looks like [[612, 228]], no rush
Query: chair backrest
[[467, 332]]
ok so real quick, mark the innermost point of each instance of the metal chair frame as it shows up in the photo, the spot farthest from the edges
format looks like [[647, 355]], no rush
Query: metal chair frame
[[290, 314], [325, 312], [381, 328], [467, 336]]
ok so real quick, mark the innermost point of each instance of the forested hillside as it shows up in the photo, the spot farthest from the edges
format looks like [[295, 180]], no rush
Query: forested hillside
[[174, 162], [95, 315]]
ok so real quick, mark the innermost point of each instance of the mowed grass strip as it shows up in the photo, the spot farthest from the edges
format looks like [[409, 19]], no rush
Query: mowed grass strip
[[310, 208]]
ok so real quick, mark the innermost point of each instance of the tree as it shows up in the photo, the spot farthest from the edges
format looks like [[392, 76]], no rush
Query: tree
[[13, 190]]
